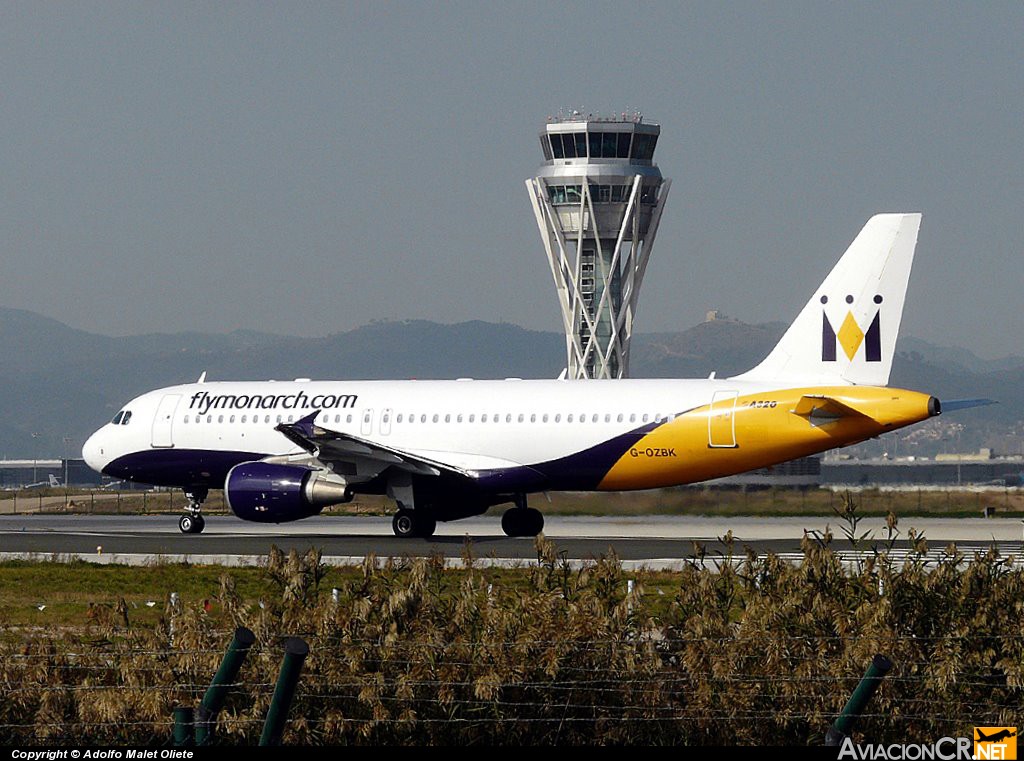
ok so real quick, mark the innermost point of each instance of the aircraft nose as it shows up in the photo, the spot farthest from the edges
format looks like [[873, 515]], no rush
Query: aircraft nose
[[92, 452]]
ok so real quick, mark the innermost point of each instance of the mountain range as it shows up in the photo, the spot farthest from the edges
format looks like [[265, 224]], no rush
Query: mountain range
[[60, 383]]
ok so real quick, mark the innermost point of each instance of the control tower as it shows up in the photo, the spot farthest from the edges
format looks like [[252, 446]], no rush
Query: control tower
[[598, 199]]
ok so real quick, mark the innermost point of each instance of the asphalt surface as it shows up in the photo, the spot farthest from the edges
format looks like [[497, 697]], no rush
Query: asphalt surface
[[655, 541]]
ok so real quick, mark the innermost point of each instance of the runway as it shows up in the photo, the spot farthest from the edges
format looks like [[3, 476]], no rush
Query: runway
[[656, 542]]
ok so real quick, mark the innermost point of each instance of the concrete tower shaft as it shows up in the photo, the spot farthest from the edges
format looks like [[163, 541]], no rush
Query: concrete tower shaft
[[598, 199]]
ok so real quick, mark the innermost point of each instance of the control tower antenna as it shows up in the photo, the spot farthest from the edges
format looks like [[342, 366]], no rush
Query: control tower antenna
[[598, 199]]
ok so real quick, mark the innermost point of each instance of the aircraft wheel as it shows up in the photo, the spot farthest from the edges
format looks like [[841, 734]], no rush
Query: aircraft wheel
[[534, 521], [404, 524], [186, 524], [425, 526], [518, 521], [199, 524]]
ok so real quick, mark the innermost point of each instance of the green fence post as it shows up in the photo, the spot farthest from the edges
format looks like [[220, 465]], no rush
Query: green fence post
[[869, 684], [215, 695], [183, 733], [295, 652]]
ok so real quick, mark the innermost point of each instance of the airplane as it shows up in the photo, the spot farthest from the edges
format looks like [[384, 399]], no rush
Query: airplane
[[450, 449], [1002, 734], [51, 482]]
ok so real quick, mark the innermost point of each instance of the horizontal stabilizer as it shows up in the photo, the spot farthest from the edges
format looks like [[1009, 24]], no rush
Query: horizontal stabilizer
[[964, 404], [820, 409]]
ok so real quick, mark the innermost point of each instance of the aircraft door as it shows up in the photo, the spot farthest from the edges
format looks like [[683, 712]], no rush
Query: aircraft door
[[164, 420], [722, 420], [385, 422], [367, 427]]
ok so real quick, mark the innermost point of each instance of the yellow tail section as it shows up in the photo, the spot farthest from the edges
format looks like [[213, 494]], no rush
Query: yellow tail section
[[755, 431]]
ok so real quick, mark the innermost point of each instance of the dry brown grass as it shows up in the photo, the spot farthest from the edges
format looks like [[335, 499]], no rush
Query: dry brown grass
[[752, 651]]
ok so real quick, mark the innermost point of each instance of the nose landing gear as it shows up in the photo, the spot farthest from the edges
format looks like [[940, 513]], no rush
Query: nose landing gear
[[192, 521]]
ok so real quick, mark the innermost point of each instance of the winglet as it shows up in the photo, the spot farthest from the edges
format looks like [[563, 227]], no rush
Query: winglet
[[301, 432]]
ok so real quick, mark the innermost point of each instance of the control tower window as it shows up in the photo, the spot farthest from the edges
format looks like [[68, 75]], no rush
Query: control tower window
[[556, 146], [581, 144], [619, 193], [568, 146], [595, 145], [623, 150], [608, 145], [545, 145], [648, 194], [643, 146], [572, 193]]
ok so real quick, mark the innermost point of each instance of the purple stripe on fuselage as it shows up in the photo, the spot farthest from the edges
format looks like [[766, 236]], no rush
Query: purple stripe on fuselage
[[178, 467], [580, 471]]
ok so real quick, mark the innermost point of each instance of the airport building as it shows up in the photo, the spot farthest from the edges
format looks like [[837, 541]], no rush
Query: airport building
[[17, 474], [598, 199]]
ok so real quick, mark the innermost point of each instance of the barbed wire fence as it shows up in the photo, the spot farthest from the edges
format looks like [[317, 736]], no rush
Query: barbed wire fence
[[753, 651]]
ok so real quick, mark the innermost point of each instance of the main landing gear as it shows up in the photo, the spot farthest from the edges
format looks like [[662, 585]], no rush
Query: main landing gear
[[192, 521], [522, 520], [410, 523]]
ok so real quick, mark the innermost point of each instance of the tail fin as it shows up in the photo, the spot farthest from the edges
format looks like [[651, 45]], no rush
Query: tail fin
[[847, 332]]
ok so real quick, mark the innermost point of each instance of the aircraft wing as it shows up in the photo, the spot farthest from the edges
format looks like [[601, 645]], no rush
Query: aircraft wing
[[365, 457]]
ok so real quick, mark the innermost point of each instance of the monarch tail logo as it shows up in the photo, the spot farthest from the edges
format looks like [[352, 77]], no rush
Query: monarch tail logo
[[850, 336]]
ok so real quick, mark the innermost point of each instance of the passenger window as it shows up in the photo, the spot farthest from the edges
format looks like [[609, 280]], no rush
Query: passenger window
[[435, 418], [533, 418], [209, 418], [594, 419], [399, 418], [544, 419], [508, 418], [244, 418], [448, 418], [619, 418], [607, 417], [231, 419], [186, 418], [348, 418], [290, 418], [267, 419], [471, 418], [220, 418], [522, 417], [645, 417], [423, 418], [385, 418], [278, 418], [483, 418]]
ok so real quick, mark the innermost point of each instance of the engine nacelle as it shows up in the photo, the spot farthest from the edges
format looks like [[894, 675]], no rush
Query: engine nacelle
[[268, 492]]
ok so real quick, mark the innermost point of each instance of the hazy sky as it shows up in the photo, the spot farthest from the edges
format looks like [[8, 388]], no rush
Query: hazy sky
[[306, 168]]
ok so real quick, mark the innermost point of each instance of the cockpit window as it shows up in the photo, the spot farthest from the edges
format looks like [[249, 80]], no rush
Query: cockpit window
[[126, 418], [117, 418]]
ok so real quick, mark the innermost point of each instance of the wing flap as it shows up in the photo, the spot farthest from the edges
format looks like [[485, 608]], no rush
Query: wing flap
[[335, 446]]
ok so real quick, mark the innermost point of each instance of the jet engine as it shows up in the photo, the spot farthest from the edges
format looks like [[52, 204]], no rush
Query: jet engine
[[268, 492]]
